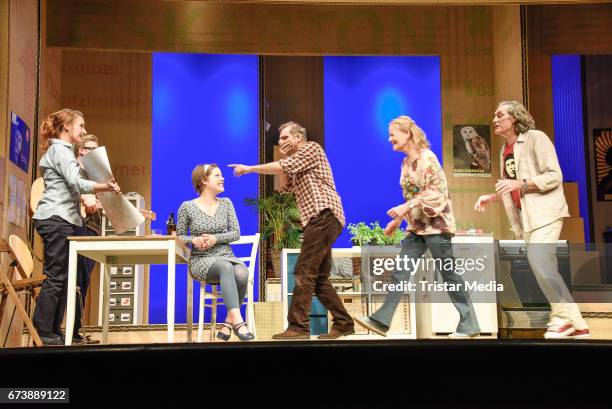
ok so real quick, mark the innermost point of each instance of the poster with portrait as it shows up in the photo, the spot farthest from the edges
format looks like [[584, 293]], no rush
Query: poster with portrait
[[12, 214], [603, 163], [20, 142], [471, 150]]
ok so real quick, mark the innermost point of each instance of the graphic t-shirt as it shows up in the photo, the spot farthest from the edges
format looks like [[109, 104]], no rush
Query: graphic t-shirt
[[510, 172]]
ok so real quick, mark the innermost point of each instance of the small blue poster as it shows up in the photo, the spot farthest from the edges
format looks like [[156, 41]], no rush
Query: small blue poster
[[20, 143]]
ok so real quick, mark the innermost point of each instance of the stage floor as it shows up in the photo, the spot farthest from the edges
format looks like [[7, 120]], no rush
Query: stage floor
[[322, 374]]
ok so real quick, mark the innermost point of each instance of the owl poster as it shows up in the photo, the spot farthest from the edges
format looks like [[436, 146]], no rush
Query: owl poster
[[471, 150], [20, 143]]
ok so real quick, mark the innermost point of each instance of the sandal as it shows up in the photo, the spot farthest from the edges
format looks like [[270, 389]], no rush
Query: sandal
[[246, 336], [222, 336]]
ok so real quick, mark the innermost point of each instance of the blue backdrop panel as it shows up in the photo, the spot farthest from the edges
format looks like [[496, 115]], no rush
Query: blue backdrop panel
[[362, 94], [205, 110], [569, 127]]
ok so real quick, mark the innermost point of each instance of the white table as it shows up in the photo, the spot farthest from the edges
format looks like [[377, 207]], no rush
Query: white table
[[124, 250]]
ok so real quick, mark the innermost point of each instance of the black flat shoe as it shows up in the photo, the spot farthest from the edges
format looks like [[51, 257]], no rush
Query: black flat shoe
[[51, 341], [225, 337], [245, 336]]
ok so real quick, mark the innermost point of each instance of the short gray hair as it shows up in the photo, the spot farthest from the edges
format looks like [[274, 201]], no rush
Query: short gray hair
[[524, 120], [294, 129]]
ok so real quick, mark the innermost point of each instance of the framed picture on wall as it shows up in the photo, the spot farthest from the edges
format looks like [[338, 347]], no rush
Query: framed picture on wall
[[471, 150], [603, 163], [20, 142]]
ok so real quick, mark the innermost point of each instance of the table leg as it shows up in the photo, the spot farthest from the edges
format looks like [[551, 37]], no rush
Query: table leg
[[189, 307], [71, 297], [171, 289], [105, 302]]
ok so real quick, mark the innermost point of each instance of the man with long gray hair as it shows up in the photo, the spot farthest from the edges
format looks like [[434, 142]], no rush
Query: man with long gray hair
[[531, 190]]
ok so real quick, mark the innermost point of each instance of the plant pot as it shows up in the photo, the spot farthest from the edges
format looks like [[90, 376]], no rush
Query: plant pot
[[276, 262]]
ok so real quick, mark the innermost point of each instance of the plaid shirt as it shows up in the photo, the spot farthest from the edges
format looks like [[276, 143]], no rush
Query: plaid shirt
[[312, 182]]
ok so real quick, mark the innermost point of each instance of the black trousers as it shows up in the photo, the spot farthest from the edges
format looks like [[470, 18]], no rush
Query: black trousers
[[51, 304], [85, 266]]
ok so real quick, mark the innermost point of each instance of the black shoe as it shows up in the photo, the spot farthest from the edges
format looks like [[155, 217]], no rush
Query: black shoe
[[245, 336], [372, 325], [77, 339], [225, 337], [50, 340]]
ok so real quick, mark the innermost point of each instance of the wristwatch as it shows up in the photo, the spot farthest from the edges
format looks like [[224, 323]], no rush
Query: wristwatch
[[525, 186]]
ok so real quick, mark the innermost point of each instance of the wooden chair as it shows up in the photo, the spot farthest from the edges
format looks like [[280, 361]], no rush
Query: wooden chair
[[23, 265], [216, 297]]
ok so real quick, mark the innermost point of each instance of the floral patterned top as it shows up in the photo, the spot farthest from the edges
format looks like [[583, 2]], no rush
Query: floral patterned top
[[424, 186], [223, 224]]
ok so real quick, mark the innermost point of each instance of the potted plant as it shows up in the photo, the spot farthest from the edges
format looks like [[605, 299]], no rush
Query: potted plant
[[361, 234], [372, 235], [281, 223]]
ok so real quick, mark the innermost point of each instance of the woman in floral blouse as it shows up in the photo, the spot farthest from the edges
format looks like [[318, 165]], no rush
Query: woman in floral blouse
[[431, 224], [209, 224]]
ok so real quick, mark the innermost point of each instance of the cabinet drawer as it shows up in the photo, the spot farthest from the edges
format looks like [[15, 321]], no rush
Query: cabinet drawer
[[121, 301], [121, 285]]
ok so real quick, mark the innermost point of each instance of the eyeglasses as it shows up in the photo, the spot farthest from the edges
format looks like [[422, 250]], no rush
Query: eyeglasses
[[89, 148]]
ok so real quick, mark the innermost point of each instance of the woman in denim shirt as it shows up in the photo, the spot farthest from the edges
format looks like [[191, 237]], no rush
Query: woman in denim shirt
[[57, 215]]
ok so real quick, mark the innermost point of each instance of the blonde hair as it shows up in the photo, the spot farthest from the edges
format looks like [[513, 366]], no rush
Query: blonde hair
[[524, 120], [407, 125], [87, 138], [294, 129], [199, 174], [52, 126]]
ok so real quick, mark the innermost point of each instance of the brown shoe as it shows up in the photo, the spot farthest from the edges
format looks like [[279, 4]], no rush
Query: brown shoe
[[335, 334], [290, 334]]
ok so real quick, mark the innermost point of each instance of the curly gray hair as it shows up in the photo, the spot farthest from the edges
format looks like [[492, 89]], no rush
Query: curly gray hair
[[524, 120]]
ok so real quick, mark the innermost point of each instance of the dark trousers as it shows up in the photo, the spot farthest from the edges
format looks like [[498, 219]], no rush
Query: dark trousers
[[312, 275], [51, 304], [85, 266]]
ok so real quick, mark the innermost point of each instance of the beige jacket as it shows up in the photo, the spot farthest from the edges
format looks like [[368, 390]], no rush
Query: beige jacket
[[535, 158]]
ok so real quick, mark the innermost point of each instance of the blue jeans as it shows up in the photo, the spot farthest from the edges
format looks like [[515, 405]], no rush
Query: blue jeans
[[414, 246]]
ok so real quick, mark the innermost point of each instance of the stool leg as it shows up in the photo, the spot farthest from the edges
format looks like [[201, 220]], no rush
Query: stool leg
[[213, 313], [201, 310], [189, 307]]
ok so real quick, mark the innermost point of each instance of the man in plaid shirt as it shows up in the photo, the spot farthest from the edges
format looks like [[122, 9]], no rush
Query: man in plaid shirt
[[310, 179]]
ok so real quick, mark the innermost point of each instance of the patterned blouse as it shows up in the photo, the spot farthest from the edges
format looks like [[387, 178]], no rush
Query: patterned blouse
[[424, 179], [223, 225], [312, 182]]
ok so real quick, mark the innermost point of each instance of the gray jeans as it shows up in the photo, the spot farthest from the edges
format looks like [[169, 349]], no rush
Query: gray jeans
[[414, 246], [233, 279]]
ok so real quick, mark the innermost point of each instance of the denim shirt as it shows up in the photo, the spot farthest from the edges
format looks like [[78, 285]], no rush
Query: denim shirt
[[63, 184]]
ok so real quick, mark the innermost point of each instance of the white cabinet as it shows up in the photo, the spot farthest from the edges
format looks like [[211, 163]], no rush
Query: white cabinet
[[127, 284], [350, 292], [436, 315]]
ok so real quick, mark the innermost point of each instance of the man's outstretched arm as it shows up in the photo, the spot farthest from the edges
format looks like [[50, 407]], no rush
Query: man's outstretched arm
[[271, 168]]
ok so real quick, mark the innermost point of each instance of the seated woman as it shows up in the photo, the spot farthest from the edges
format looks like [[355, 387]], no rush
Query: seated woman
[[212, 225]]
